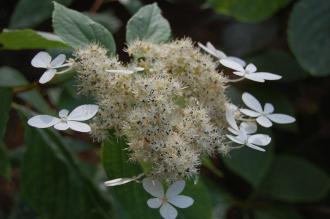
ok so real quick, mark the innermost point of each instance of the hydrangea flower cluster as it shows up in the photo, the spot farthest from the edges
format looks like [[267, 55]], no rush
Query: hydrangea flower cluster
[[170, 103]]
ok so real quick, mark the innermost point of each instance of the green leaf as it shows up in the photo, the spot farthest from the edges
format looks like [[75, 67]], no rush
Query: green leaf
[[256, 37], [276, 213], [78, 30], [250, 164], [10, 77], [148, 24], [309, 35], [5, 168], [294, 179], [30, 13], [279, 62], [29, 39], [202, 207], [5, 97], [53, 183], [130, 199], [107, 19], [248, 10]]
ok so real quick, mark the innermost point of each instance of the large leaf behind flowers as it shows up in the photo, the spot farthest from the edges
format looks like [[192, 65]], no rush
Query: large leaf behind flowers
[[53, 183], [78, 30], [131, 198]]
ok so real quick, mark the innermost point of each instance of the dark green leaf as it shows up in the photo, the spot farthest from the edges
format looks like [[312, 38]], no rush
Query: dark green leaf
[[5, 97], [78, 30], [276, 213], [107, 19], [29, 39], [130, 199], [248, 10], [132, 6], [279, 62], [5, 168], [10, 77], [53, 183], [256, 37], [294, 179], [30, 13], [309, 33], [250, 164], [148, 24], [202, 207]]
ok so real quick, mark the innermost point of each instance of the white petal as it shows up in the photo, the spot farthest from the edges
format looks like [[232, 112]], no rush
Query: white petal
[[259, 139], [119, 181], [269, 76], [232, 65], [47, 76], [262, 76], [235, 139], [209, 48], [255, 77], [43, 121], [251, 102], [83, 112], [58, 61], [79, 126], [251, 68], [61, 126], [41, 60], [181, 201], [154, 202], [269, 108], [235, 132], [167, 211], [238, 73], [248, 127], [63, 113], [281, 118], [176, 188], [250, 113], [230, 115], [238, 60], [153, 187], [255, 147], [264, 121], [121, 71]]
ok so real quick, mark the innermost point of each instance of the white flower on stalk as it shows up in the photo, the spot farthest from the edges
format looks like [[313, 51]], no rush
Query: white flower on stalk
[[209, 48], [244, 133], [66, 120], [265, 116], [121, 181], [249, 72], [125, 71], [44, 60], [166, 200]]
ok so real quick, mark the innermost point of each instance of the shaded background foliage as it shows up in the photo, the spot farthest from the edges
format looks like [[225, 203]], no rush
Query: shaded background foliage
[[44, 175]]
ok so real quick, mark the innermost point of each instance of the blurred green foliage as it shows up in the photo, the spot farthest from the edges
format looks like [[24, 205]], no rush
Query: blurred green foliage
[[58, 175]]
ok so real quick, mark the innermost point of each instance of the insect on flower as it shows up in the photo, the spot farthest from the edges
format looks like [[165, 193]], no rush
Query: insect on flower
[[249, 72], [209, 48], [165, 201], [44, 60], [66, 120], [265, 116]]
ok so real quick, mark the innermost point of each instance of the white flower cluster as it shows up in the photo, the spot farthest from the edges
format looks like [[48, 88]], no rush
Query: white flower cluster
[[169, 102], [244, 134]]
